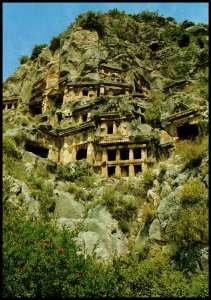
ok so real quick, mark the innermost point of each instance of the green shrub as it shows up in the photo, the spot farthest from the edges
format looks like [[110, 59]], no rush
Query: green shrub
[[148, 177], [171, 19], [93, 21], [115, 13], [54, 43], [152, 113], [187, 24], [148, 213], [194, 192], [183, 40], [10, 149], [42, 261], [23, 59], [200, 42], [37, 49], [192, 151], [73, 172]]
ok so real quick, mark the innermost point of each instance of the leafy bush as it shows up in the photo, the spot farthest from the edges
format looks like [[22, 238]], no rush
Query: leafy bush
[[10, 149], [192, 151], [148, 213], [189, 229], [148, 177], [115, 13], [183, 40], [23, 59], [123, 208], [54, 43], [93, 21], [187, 24], [73, 172], [194, 192], [41, 261], [147, 16], [171, 19], [152, 113], [37, 49]]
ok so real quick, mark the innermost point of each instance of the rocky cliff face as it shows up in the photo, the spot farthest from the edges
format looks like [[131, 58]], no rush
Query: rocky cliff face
[[166, 62]]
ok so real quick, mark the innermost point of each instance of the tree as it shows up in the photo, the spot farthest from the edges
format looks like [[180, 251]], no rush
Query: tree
[[23, 59], [54, 43], [37, 50]]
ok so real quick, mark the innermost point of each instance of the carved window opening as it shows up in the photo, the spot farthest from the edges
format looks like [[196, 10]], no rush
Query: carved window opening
[[110, 128], [84, 118], [124, 154], [3, 107], [85, 92], [111, 170], [111, 155], [137, 169], [59, 116], [187, 131], [33, 147], [59, 102], [137, 153], [81, 154], [36, 109], [9, 106], [124, 171]]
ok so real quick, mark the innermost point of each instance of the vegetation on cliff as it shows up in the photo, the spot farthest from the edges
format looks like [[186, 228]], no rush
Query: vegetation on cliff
[[152, 228]]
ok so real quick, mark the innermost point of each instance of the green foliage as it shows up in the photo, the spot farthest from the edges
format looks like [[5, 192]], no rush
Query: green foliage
[[194, 192], [192, 151], [93, 21], [115, 13], [171, 33], [42, 261], [148, 16], [54, 43], [71, 172], [187, 24], [123, 208], [39, 261], [23, 59], [189, 229], [183, 40], [152, 113], [171, 19], [148, 177], [200, 42], [37, 49], [10, 149], [148, 213]]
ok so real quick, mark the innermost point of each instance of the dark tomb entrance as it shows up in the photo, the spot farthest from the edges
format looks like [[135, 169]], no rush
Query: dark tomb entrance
[[36, 109], [187, 131], [35, 148], [111, 170], [124, 154], [137, 169], [111, 155], [137, 153], [125, 171], [81, 154]]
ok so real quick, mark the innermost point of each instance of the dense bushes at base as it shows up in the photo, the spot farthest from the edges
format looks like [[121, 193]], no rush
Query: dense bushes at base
[[192, 151], [40, 261]]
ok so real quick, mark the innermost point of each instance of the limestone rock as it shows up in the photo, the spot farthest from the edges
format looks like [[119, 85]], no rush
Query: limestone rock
[[66, 206], [155, 231]]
